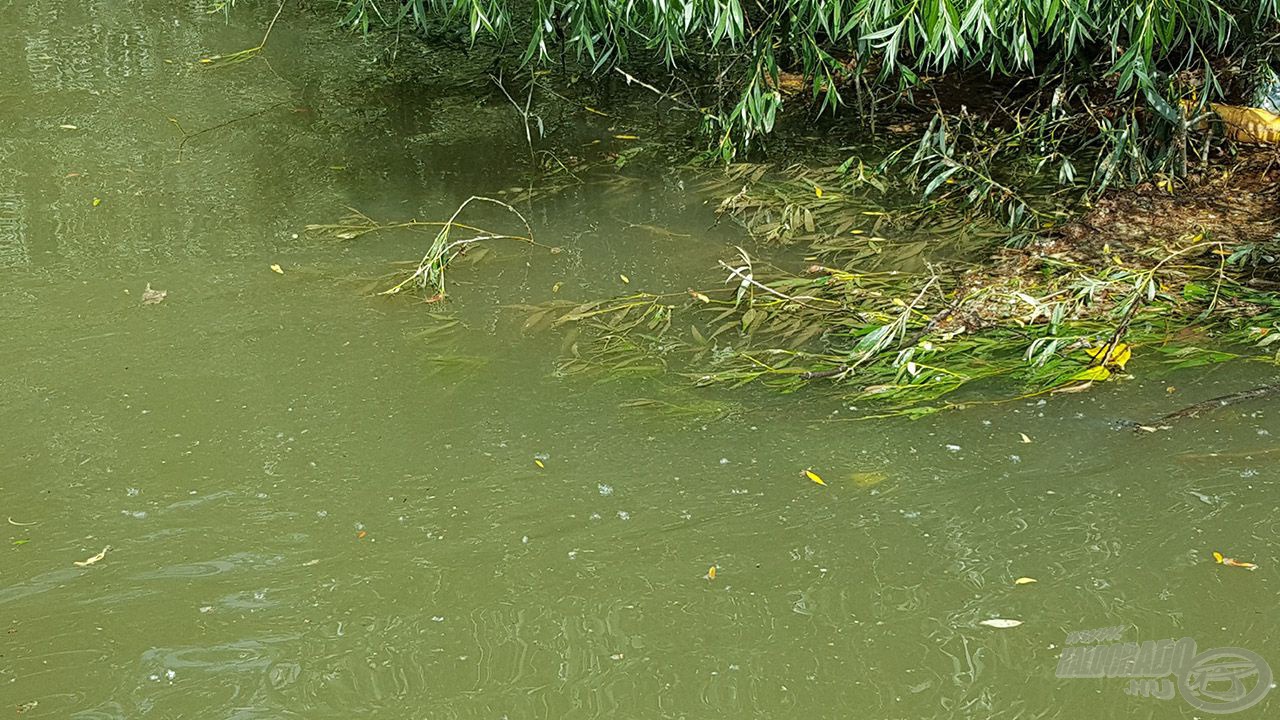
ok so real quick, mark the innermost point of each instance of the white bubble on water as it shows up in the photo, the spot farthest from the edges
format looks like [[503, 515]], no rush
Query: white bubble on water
[[132, 492], [724, 461], [605, 490], [624, 515]]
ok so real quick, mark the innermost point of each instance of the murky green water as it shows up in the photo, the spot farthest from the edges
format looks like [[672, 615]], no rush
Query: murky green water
[[318, 508]]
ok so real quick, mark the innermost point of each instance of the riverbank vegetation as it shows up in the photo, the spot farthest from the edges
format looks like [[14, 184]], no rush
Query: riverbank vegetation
[[1050, 194]]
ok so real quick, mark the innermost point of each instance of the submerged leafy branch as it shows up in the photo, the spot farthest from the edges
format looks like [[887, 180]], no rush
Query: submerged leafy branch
[[429, 274]]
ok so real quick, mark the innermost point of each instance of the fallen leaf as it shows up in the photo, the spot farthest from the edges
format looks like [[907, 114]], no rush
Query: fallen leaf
[[1079, 388], [556, 288], [1025, 581], [1097, 372], [627, 137], [699, 296], [1118, 356], [361, 535], [624, 278], [1001, 623], [94, 559], [814, 477], [68, 127], [97, 202], [538, 462], [153, 297], [1232, 562], [817, 191], [277, 269], [711, 573], [1025, 439]]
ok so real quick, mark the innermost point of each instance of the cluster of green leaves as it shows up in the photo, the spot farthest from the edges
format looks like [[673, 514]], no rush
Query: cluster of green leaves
[[894, 342], [908, 341], [730, 57]]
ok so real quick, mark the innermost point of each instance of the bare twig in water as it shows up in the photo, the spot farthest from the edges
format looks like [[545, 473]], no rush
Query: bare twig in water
[[663, 94], [525, 112], [1222, 401], [188, 137]]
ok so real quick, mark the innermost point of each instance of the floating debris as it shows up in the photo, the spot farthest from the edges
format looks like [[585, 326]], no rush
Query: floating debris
[[1001, 623], [867, 479], [151, 296], [94, 559], [1232, 562]]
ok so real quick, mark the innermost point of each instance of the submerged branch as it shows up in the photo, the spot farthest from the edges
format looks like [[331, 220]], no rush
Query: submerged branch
[[1162, 422]]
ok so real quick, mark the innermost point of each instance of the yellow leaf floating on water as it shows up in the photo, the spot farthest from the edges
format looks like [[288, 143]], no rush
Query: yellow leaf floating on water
[[1118, 357], [814, 477], [1025, 581], [624, 278], [627, 137], [1001, 623], [97, 202], [817, 191], [277, 269], [1232, 562], [538, 462], [1097, 372], [711, 573]]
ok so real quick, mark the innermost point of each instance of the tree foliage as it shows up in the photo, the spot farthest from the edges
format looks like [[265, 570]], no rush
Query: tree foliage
[[1143, 46]]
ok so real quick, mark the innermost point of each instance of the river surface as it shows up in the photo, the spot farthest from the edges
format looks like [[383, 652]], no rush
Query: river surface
[[319, 504]]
